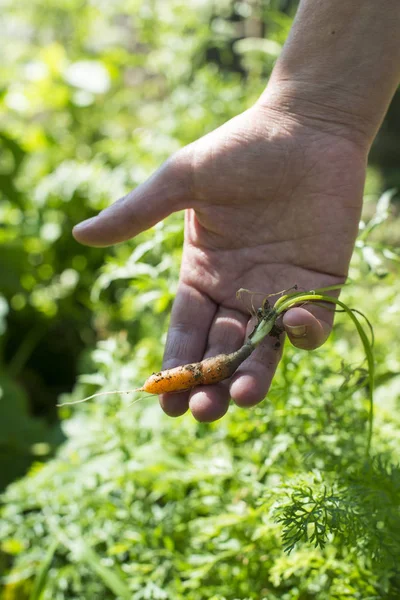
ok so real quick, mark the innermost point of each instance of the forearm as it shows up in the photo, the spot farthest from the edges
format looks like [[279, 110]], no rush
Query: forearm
[[341, 61]]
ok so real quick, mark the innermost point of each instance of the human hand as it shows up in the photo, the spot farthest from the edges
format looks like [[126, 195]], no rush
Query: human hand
[[272, 199]]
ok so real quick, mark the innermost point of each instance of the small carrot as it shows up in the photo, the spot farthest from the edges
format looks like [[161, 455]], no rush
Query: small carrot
[[208, 371]]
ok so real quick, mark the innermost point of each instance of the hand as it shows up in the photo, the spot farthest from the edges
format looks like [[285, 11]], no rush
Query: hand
[[273, 199]]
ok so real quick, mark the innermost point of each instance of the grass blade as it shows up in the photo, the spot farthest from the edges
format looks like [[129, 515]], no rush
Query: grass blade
[[81, 552], [294, 299], [40, 580], [110, 578]]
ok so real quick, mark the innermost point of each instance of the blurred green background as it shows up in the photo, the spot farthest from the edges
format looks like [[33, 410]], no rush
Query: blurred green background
[[94, 96]]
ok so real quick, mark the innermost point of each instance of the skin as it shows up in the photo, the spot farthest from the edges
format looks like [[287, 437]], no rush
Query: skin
[[272, 198]]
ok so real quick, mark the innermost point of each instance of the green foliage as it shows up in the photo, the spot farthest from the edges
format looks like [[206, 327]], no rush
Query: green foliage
[[138, 505], [22, 438], [94, 96], [361, 510]]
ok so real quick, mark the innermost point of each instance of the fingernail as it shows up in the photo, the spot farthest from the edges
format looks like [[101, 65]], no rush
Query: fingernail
[[297, 331]]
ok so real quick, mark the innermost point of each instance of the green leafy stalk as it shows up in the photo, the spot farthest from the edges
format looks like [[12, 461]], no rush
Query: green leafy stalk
[[299, 295], [41, 576], [82, 552], [290, 300], [111, 578], [264, 327]]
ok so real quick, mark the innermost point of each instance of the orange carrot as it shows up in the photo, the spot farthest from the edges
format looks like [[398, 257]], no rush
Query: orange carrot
[[208, 371]]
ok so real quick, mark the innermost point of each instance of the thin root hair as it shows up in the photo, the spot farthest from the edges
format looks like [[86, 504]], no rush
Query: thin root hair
[[99, 394]]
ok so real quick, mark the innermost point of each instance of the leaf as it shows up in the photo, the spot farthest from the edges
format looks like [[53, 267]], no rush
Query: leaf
[[80, 551], [381, 213], [40, 580], [289, 300], [110, 578], [373, 260]]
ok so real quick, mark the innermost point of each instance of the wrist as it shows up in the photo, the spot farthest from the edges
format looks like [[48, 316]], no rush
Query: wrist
[[340, 66], [321, 107]]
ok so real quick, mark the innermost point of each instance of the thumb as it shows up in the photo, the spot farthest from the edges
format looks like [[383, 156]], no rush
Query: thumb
[[167, 191], [308, 329]]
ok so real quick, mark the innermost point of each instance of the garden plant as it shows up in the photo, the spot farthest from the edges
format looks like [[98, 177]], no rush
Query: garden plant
[[297, 498]]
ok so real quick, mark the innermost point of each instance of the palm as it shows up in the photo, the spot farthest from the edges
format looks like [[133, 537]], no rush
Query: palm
[[273, 202]]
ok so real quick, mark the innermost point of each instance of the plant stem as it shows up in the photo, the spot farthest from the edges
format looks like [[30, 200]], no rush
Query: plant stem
[[290, 300], [264, 327]]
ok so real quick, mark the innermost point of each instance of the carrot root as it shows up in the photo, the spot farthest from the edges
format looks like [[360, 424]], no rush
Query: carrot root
[[208, 371], [100, 394]]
